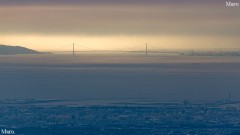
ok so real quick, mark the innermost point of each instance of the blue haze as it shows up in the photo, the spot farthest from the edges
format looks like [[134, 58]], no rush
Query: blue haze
[[160, 78]]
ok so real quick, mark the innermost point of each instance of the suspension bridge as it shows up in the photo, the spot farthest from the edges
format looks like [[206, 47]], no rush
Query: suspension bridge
[[75, 48]]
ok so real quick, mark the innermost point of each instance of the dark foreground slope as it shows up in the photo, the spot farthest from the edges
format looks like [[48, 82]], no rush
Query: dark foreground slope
[[11, 50]]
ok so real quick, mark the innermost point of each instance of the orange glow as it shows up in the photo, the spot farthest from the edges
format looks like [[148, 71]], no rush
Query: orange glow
[[120, 42]]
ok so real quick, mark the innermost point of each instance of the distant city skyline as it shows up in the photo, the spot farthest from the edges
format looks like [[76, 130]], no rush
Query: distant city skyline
[[111, 24]]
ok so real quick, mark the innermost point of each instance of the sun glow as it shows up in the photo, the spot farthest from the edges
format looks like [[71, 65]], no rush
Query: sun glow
[[120, 42]]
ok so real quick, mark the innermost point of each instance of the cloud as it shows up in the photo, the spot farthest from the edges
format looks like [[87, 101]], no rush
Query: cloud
[[120, 20], [95, 2]]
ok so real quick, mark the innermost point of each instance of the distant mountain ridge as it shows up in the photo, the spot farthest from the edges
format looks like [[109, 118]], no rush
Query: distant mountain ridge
[[11, 50]]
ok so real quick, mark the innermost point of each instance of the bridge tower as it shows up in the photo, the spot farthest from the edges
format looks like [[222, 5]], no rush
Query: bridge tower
[[146, 49], [73, 51]]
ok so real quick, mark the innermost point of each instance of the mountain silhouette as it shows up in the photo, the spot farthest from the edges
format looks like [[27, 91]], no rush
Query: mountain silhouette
[[12, 50]]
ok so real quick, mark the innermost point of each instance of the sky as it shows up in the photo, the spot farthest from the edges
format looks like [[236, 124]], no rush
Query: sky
[[116, 25]]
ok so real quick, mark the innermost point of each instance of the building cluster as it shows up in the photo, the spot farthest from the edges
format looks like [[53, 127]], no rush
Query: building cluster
[[161, 118]]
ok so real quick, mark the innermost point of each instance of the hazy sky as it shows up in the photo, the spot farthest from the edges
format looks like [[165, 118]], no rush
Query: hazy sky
[[114, 24]]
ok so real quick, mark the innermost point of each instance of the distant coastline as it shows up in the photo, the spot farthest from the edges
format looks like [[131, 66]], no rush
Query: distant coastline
[[13, 50]]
